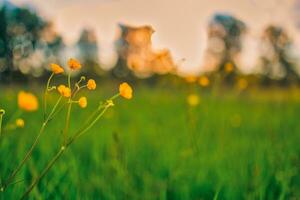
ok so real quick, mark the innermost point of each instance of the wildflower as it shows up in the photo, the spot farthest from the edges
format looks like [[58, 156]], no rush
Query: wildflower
[[82, 102], [74, 64], [64, 91], [193, 100], [56, 69], [125, 90], [228, 67], [242, 84], [2, 111], [203, 81], [27, 101], [20, 123], [91, 84], [191, 79]]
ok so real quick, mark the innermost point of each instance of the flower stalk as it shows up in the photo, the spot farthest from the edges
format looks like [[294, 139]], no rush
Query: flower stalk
[[46, 93], [88, 125], [2, 112], [29, 152]]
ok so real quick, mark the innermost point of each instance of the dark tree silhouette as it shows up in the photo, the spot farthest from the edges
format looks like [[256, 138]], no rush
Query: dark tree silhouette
[[88, 52], [26, 42], [225, 42], [277, 46], [121, 69]]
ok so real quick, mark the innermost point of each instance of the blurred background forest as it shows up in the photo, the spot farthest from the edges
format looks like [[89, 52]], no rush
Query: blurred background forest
[[28, 43], [215, 107]]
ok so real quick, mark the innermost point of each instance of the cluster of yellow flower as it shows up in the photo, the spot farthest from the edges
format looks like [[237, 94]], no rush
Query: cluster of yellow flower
[[29, 102], [203, 80]]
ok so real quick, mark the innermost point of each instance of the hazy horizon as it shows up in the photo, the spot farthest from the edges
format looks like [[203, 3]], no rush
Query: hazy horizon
[[179, 25]]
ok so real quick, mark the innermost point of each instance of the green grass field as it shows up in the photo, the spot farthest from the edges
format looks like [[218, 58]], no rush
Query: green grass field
[[231, 146]]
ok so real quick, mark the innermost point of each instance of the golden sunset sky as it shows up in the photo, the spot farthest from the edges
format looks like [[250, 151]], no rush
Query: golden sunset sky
[[180, 24]]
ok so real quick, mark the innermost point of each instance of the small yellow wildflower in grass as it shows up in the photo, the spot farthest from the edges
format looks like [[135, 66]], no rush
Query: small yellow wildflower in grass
[[204, 81], [64, 91], [193, 100], [74, 64], [91, 84], [20, 123], [27, 101], [228, 67], [56, 69], [125, 90], [242, 84], [191, 79], [82, 102]]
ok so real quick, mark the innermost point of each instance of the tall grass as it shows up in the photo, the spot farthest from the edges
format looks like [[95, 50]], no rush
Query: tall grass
[[247, 148]]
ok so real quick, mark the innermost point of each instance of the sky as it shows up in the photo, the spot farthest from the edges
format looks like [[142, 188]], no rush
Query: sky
[[180, 25]]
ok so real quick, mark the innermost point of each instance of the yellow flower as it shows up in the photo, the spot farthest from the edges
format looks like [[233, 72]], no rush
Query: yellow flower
[[82, 102], [20, 123], [242, 84], [56, 69], [125, 91], [27, 101], [193, 100], [191, 79], [74, 64], [91, 85], [228, 67], [204, 81], [64, 91]]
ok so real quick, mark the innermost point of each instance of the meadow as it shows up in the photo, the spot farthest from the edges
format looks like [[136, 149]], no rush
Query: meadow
[[232, 145]]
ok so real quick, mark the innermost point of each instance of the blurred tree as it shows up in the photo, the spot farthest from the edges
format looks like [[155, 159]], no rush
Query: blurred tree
[[5, 54], [88, 52], [25, 45], [276, 59], [52, 42], [121, 70], [224, 43], [136, 54]]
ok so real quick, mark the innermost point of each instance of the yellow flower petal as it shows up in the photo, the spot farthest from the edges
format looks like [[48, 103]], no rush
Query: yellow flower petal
[[91, 85], [82, 102], [56, 69], [27, 101], [20, 123], [125, 90], [64, 91], [193, 100], [204, 81], [74, 64]]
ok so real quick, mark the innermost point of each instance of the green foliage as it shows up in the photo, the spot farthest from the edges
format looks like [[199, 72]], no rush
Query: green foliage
[[237, 147]]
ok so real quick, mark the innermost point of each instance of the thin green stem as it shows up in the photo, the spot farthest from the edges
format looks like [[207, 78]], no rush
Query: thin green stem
[[77, 90], [28, 154], [44, 172], [69, 80], [115, 96], [58, 111], [66, 129], [80, 133], [45, 95], [67, 144], [14, 116], [1, 117]]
